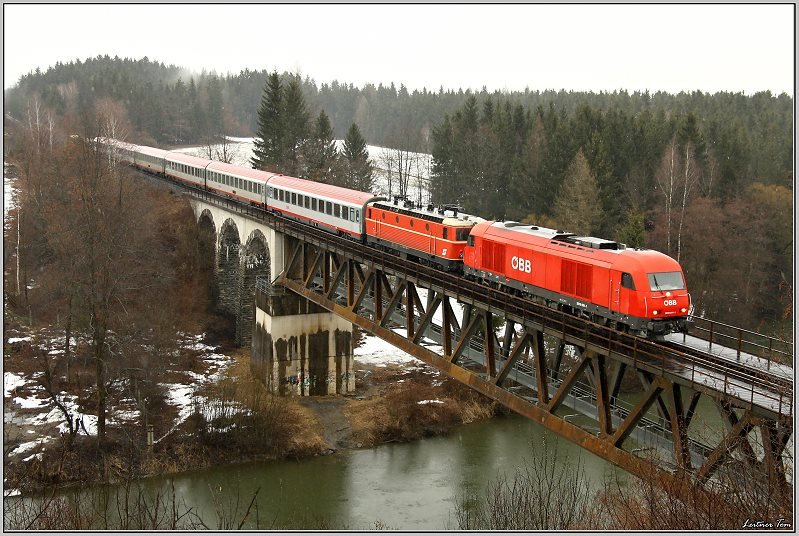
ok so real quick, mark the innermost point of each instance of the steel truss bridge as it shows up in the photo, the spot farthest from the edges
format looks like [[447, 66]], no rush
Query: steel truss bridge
[[558, 370]]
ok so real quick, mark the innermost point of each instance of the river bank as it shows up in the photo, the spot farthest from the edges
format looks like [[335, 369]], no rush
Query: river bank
[[212, 412]]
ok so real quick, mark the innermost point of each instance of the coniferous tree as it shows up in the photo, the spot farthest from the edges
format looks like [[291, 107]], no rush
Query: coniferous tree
[[357, 166], [321, 155], [296, 130], [268, 151], [578, 206]]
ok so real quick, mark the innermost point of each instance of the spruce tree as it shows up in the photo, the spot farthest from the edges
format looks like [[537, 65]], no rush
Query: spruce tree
[[268, 143], [296, 128], [321, 154], [578, 207], [357, 166]]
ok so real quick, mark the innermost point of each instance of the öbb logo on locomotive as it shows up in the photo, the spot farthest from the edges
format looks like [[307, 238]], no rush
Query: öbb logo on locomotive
[[597, 279], [522, 265]]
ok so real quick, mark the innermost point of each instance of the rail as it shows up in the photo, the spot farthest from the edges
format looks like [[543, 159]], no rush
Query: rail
[[744, 383]]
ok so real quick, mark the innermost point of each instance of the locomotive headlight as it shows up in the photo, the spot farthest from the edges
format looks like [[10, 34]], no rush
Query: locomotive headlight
[[683, 310], [668, 294], [655, 312]]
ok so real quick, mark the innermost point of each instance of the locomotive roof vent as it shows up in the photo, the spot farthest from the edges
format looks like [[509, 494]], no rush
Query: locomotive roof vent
[[595, 243], [514, 224]]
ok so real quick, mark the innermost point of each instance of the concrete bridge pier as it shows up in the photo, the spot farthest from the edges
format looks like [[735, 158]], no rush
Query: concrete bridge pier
[[300, 348], [297, 346]]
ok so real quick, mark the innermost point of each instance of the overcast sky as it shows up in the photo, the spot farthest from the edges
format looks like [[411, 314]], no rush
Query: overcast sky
[[672, 48]]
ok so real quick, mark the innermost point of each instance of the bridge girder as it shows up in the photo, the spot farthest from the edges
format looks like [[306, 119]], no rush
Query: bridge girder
[[387, 303]]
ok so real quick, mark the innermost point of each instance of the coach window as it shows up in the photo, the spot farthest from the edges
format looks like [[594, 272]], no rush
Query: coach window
[[293, 198], [627, 281], [336, 210], [329, 208], [352, 214], [307, 201], [313, 204], [345, 213], [357, 216]]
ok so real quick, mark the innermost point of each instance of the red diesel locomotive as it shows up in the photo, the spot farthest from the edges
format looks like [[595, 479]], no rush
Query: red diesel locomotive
[[630, 289]]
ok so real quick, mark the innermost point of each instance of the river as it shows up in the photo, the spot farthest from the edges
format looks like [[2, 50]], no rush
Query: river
[[402, 486]]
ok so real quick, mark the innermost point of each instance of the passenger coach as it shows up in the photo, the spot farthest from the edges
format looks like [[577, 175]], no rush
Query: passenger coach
[[333, 208]]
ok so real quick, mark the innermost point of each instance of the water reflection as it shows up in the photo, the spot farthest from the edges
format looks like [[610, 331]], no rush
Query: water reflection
[[401, 486]]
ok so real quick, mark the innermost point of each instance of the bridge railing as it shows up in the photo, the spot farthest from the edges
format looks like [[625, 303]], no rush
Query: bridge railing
[[745, 386], [743, 341]]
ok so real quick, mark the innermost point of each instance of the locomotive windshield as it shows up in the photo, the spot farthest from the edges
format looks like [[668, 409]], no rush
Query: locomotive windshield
[[666, 281]]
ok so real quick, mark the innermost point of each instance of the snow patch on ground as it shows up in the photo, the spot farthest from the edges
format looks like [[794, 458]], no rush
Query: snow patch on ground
[[376, 351], [425, 402], [181, 395], [11, 382], [13, 340]]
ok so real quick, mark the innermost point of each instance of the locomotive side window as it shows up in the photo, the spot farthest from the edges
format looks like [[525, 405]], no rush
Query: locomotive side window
[[627, 281], [461, 234], [470, 241], [444, 233]]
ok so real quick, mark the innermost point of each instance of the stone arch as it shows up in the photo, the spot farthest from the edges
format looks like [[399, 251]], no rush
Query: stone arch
[[206, 221], [229, 269], [255, 264], [206, 246]]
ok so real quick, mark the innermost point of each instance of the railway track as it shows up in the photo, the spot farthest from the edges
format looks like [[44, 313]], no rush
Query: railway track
[[664, 355], [743, 370]]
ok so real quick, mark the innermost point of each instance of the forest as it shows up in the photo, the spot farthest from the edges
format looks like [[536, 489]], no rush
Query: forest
[[706, 178]]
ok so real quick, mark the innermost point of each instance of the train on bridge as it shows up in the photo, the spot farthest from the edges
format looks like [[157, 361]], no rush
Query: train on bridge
[[636, 290]]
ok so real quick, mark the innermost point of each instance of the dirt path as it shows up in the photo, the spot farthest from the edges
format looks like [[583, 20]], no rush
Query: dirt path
[[336, 429]]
